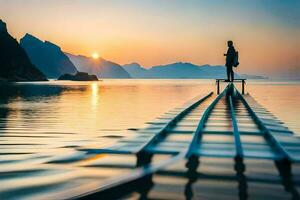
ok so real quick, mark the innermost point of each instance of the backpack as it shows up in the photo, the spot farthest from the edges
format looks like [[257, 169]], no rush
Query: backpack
[[236, 59]]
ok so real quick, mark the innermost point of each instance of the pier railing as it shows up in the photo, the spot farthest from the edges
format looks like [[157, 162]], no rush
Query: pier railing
[[242, 80]]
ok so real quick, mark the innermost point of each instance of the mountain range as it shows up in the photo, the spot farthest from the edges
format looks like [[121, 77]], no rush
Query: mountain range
[[15, 64], [179, 70], [53, 62], [33, 58], [47, 57], [100, 67], [136, 70]]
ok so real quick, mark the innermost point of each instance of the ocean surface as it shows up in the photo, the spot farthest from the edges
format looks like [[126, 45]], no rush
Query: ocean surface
[[110, 107], [47, 122]]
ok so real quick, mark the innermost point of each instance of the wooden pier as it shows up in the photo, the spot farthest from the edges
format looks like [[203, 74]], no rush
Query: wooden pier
[[224, 146], [230, 126], [242, 80]]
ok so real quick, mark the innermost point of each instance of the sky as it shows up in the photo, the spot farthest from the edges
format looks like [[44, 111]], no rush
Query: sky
[[155, 32]]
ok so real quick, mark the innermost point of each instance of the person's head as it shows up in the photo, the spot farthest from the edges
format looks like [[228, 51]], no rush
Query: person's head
[[229, 43]]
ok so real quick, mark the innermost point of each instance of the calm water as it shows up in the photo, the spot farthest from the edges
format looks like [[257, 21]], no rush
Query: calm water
[[281, 98], [86, 110], [43, 126], [90, 109]]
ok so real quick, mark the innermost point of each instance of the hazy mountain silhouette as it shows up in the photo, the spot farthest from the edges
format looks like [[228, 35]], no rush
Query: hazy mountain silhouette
[[47, 56], [100, 67], [136, 70], [178, 70], [15, 65]]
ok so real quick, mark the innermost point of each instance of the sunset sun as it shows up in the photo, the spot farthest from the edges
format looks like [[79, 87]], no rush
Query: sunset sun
[[95, 55]]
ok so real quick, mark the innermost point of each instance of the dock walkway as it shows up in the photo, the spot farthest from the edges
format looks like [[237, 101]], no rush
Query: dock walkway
[[231, 125], [224, 146]]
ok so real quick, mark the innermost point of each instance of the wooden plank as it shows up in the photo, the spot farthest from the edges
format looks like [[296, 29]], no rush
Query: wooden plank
[[173, 122], [198, 133], [269, 136], [237, 139]]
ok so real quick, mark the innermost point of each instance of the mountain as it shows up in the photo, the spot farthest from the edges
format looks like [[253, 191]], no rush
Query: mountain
[[15, 65], [182, 70], [178, 70], [47, 56], [100, 67], [135, 70]]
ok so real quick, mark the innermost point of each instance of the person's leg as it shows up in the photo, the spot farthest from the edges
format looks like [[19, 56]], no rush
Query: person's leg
[[228, 73], [232, 74]]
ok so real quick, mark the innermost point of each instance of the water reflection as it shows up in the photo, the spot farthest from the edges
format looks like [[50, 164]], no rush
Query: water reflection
[[89, 109], [44, 127], [17, 93], [211, 178], [192, 176], [48, 123], [94, 98], [281, 98], [285, 171], [18, 102], [239, 167]]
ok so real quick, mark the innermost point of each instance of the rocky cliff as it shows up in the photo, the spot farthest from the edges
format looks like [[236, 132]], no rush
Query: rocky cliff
[[15, 65], [47, 56]]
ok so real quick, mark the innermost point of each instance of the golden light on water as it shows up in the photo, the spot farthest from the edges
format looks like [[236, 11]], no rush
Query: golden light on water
[[95, 55], [94, 90]]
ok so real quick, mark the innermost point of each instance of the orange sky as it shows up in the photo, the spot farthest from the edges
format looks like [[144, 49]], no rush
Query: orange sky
[[163, 32]]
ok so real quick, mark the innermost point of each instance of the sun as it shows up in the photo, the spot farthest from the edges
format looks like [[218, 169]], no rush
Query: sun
[[95, 55]]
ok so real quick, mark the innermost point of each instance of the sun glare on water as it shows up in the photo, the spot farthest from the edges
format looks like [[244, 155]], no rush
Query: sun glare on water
[[95, 55]]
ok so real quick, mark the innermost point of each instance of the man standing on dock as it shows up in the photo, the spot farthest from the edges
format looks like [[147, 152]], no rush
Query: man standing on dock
[[231, 60]]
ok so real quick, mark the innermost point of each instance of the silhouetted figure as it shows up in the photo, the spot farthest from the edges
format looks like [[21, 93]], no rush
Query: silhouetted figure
[[231, 60]]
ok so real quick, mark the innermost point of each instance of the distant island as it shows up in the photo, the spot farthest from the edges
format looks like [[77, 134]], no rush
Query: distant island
[[79, 76]]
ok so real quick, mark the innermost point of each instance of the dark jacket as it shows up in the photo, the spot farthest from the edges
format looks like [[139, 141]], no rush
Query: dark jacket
[[230, 56]]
